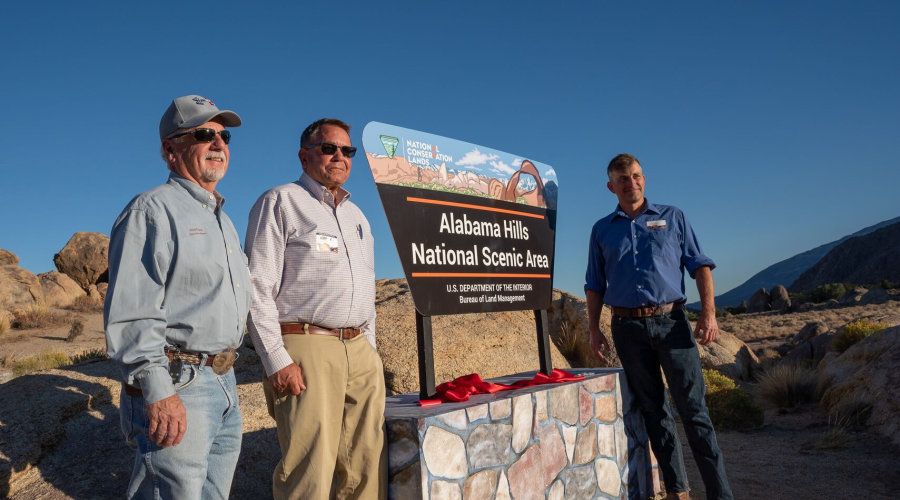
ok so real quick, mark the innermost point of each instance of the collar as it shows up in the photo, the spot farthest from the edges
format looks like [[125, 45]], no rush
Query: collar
[[649, 207], [319, 191], [195, 191]]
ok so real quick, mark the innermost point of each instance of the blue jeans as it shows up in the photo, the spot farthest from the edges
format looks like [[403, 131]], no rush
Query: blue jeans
[[646, 344], [202, 465]]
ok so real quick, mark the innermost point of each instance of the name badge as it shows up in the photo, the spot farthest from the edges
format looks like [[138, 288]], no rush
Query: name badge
[[656, 224], [326, 243]]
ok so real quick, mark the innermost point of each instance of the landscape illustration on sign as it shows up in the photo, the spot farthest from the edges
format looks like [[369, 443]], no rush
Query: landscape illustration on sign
[[425, 161]]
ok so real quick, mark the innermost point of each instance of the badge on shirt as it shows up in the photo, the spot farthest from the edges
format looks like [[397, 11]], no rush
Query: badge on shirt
[[326, 243], [656, 224]]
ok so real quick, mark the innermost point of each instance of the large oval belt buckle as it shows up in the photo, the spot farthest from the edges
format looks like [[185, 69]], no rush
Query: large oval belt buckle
[[223, 361]]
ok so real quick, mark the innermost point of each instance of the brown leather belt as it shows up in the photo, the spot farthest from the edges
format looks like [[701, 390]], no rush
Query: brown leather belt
[[647, 311], [307, 329]]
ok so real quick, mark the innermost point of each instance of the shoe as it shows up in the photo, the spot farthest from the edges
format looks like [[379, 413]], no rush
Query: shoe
[[684, 495]]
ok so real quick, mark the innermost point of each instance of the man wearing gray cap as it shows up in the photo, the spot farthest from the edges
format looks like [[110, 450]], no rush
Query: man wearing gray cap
[[176, 307]]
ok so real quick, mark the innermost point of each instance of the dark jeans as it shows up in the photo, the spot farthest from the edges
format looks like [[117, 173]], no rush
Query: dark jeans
[[646, 344]]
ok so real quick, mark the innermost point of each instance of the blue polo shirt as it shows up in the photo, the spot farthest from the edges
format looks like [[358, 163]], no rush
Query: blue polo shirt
[[643, 259]]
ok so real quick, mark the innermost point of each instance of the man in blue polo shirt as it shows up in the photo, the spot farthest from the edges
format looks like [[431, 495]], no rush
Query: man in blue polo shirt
[[636, 264]]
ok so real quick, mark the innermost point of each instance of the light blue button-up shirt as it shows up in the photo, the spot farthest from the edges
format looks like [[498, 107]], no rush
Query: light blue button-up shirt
[[177, 276], [643, 259]]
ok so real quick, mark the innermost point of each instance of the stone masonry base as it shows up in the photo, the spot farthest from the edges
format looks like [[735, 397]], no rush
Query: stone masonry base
[[575, 440]]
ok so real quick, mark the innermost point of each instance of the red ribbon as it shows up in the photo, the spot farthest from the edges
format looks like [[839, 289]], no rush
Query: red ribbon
[[459, 390]]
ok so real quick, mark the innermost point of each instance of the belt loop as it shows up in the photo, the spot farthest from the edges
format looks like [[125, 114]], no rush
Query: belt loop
[[203, 358], [306, 328], [342, 334]]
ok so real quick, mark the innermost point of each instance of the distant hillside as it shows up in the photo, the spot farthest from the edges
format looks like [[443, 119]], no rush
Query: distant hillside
[[861, 260], [786, 271]]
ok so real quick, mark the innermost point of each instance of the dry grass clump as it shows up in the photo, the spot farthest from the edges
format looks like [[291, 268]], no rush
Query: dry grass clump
[[768, 359], [850, 413], [854, 332], [729, 406], [4, 324], [38, 315], [788, 385], [86, 304], [89, 355], [46, 360], [577, 349]]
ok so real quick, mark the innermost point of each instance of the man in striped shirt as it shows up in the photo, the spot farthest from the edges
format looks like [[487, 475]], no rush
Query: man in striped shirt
[[313, 324]]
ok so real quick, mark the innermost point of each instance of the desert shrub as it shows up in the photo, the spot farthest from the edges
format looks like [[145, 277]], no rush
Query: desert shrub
[[854, 332], [86, 304], [741, 309], [76, 330], [729, 406], [38, 315], [39, 362], [887, 285], [4, 324], [692, 315], [88, 355], [824, 293], [567, 342], [788, 385]]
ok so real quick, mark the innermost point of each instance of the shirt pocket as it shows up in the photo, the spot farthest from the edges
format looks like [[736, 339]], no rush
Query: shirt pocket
[[662, 246]]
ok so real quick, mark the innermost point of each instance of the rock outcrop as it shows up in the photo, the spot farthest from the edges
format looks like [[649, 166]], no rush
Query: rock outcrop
[[868, 373], [19, 288], [8, 258], [876, 295], [780, 300], [730, 356], [853, 296], [809, 331], [759, 302], [59, 289], [85, 259]]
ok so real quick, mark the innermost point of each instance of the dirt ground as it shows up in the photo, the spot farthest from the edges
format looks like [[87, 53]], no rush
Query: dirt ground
[[781, 460]]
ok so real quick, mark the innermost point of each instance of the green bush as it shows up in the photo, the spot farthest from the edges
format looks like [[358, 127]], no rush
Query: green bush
[[44, 361], [827, 292], [729, 406], [854, 332]]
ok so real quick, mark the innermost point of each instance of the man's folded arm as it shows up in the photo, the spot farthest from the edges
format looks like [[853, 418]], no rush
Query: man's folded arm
[[264, 245], [140, 251]]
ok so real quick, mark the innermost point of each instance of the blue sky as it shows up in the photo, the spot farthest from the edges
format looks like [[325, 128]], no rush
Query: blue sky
[[773, 125]]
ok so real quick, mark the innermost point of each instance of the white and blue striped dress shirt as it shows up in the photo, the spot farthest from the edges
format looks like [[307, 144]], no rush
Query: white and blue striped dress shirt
[[312, 262]]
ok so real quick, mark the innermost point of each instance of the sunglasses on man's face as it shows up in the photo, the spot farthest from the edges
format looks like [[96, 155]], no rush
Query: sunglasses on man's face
[[206, 135], [330, 149]]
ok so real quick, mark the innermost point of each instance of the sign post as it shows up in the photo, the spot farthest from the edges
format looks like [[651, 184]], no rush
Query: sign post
[[474, 228]]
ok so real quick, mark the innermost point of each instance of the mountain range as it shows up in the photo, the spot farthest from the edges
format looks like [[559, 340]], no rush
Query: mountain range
[[787, 271]]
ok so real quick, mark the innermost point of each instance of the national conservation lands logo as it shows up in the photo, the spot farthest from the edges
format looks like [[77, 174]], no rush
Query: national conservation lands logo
[[390, 145]]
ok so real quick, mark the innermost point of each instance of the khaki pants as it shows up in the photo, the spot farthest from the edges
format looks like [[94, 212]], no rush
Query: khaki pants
[[334, 429]]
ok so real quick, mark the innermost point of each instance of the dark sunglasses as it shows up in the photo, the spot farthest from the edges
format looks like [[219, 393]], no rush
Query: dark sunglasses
[[205, 135], [330, 149]]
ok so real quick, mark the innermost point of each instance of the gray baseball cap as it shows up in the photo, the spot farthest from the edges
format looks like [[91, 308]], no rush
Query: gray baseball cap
[[191, 111]]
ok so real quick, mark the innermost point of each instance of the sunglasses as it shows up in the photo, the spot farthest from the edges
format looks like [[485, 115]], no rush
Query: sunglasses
[[330, 149], [205, 135]]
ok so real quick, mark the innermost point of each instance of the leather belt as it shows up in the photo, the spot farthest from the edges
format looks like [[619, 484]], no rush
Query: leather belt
[[307, 329], [647, 311], [190, 358]]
